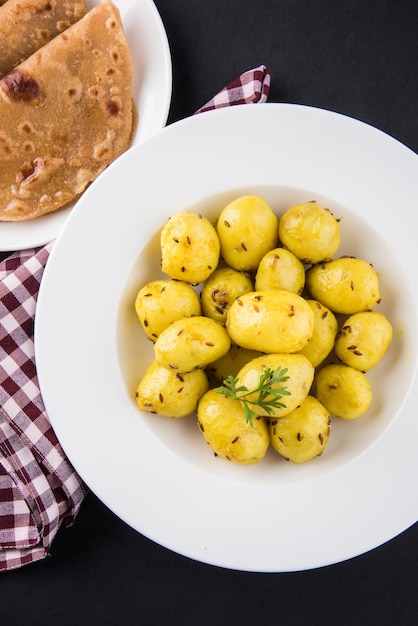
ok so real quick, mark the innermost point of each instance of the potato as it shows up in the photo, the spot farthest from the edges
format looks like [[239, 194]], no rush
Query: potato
[[302, 434], [346, 285], [161, 302], [221, 289], [324, 333], [231, 363], [310, 231], [344, 391], [221, 421], [364, 340], [280, 269], [191, 343], [247, 229], [190, 247], [300, 374], [270, 321], [169, 393]]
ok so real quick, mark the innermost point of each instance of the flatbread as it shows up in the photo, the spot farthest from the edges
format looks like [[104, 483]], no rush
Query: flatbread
[[65, 114], [27, 25]]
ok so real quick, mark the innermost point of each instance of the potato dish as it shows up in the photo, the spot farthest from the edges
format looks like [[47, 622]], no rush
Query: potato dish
[[260, 332]]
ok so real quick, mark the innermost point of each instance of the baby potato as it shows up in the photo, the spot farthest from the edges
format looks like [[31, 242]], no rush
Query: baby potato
[[302, 434], [280, 269], [231, 363], [165, 392], [221, 289], [191, 343], [346, 285], [222, 423], [344, 391], [310, 231], [189, 247], [324, 333], [300, 374], [270, 321], [161, 302], [364, 340], [247, 229]]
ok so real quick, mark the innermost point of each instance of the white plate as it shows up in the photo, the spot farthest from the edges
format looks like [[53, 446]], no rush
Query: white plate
[[151, 85], [158, 474]]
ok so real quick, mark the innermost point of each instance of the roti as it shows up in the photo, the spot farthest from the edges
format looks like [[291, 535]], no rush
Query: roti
[[27, 25], [65, 114]]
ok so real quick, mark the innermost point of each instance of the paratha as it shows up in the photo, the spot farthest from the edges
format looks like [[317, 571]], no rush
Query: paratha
[[27, 25], [65, 114]]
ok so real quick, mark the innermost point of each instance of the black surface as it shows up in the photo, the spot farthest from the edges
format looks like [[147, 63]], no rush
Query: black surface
[[355, 57]]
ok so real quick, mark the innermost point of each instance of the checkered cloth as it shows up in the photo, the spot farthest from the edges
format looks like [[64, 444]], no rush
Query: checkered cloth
[[249, 88], [39, 489]]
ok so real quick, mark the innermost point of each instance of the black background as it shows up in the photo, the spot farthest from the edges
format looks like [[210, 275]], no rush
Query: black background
[[355, 57]]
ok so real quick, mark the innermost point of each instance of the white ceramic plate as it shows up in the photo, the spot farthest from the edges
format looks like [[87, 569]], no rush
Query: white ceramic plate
[[152, 83], [158, 474]]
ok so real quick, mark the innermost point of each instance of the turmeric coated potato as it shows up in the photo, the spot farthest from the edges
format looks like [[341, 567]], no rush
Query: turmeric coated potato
[[222, 423], [165, 392], [231, 363], [189, 247], [280, 269], [161, 302], [346, 285], [310, 231], [364, 340], [191, 343], [302, 434], [324, 333], [300, 374], [247, 229], [221, 289], [344, 391], [270, 321]]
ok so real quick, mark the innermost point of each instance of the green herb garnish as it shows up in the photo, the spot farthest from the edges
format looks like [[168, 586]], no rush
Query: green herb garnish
[[268, 397]]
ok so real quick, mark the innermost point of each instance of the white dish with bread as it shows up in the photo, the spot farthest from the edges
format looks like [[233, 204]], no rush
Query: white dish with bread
[[96, 89]]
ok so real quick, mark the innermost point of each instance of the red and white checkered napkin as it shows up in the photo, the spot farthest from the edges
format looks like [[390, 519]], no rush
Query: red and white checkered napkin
[[39, 489], [249, 88]]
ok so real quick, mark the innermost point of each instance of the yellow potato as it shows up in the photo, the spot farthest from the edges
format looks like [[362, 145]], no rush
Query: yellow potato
[[270, 321], [222, 423], [310, 231], [189, 247], [364, 340], [221, 289], [344, 391], [300, 374], [280, 269], [324, 333], [161, 302], [191, 343], [346, 285], [231, 363], [165, 392], [302, 434], [247, 229]]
